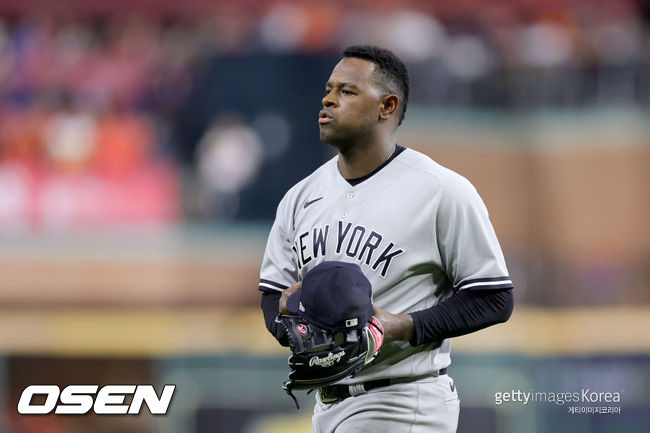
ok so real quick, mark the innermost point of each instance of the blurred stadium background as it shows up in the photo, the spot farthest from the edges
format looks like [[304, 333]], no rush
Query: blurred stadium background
[[145, 145]]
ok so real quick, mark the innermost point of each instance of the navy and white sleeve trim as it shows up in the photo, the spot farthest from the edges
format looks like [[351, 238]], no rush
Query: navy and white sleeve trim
[[486, 283], [268, 285]]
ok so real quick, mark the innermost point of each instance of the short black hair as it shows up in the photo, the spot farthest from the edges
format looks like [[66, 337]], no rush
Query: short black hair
[[390, 69]]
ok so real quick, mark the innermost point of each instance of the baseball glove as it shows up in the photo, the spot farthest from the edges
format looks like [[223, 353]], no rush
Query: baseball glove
[[321, 357]]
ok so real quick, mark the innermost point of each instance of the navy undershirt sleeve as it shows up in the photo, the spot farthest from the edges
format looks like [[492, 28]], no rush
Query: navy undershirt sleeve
[[464, 312], [271, 309]]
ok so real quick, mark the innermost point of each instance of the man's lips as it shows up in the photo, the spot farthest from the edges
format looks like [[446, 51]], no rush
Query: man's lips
[[324, 117]]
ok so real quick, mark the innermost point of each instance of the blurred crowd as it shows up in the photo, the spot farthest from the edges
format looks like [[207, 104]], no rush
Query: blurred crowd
[[87, 89], [93, 97], [82, 121], [145, 61]]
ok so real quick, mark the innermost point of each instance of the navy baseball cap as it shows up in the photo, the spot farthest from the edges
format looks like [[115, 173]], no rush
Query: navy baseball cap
[[334, 296]]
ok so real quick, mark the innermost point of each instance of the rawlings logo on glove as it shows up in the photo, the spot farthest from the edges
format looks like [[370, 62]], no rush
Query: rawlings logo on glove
[[328, 361], [321, 357]]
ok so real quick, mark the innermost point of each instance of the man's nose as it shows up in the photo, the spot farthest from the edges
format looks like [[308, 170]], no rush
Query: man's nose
[[329, 100]]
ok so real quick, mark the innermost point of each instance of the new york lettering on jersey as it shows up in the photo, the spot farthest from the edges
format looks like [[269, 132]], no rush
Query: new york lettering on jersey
[[355, 241]]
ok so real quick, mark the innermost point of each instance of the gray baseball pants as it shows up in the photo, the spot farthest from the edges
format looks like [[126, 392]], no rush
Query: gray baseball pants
[[428, 405]]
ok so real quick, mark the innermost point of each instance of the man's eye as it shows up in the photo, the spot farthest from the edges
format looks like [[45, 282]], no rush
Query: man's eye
[[347, 92]]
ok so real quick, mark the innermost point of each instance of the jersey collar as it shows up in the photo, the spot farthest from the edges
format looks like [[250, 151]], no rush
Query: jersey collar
[[398, 149]]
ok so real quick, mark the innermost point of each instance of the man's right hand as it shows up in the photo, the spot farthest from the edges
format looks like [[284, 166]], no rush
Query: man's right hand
[[285, 295]]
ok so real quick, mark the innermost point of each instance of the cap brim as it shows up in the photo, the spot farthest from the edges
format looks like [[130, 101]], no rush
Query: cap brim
[[293, 303]]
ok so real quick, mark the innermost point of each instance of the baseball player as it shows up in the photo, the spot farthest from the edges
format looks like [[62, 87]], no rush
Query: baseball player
[[388, 209]]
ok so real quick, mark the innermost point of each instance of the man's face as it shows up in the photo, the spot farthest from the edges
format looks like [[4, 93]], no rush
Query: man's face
[[351, 104]]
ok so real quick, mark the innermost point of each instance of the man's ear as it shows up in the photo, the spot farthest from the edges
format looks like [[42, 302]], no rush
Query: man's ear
[[389, 104]]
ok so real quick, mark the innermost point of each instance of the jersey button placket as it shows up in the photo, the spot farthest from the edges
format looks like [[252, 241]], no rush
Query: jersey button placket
[[349, 195]]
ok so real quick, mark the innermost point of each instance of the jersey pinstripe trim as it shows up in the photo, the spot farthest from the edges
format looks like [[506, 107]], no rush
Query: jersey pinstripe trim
[[486, 283], [268, 284]]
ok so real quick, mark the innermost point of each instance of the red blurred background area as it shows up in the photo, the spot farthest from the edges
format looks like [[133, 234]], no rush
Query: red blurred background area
[[61, 170]]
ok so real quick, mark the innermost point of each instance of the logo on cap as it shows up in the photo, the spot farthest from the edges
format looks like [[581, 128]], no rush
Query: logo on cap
[[301, 307]]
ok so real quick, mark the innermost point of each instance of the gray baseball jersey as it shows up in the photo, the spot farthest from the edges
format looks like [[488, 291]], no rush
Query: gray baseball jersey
[[411, 211]]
